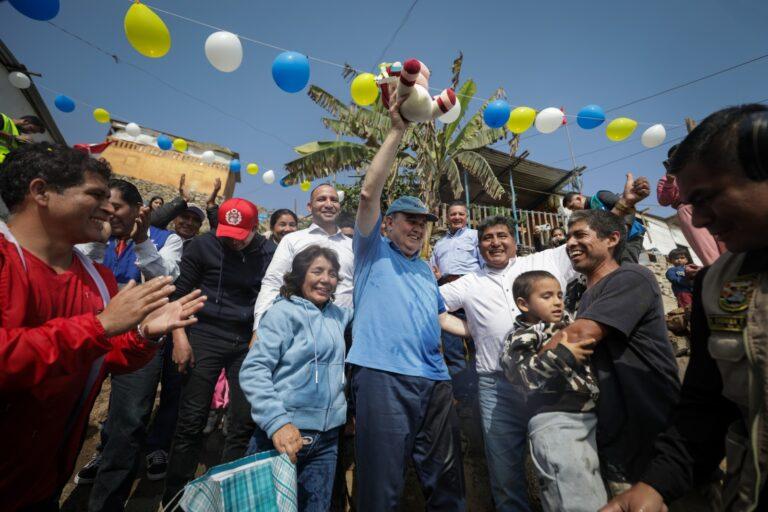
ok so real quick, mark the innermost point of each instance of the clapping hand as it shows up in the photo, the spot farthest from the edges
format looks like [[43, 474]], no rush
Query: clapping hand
[[174, 315], [140, 231], [134, 304], [182, 191]]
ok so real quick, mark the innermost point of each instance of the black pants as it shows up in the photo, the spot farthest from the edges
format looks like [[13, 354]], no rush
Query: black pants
[[400, 417], [125, 432], [212, 353]]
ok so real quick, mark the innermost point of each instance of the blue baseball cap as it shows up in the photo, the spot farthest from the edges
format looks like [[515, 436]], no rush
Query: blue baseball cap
[[412, 205]]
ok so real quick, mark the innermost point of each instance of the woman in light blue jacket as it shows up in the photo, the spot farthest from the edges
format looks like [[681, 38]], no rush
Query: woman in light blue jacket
[[293, 375]]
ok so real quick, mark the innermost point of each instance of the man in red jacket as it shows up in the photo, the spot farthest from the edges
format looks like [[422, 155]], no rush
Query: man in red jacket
[[59, 331]]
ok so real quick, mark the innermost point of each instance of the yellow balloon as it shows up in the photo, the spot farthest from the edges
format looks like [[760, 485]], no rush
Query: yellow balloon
[[146, 31], [252, 168], [101, 115], [363, 89], [180, 145], [620, 128], [305, 185], [521, 119]]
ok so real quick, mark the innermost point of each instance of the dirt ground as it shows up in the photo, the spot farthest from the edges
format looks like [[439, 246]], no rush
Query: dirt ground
[[146, 494]]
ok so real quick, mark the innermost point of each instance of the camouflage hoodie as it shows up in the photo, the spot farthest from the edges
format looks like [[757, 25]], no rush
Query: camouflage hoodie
[[553, 380]]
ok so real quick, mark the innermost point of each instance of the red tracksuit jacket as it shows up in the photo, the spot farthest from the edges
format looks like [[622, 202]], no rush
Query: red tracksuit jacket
[[49, 339]]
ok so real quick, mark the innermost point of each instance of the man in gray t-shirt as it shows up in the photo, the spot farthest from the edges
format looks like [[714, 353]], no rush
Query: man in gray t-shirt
[[634, 365], [636, 370]]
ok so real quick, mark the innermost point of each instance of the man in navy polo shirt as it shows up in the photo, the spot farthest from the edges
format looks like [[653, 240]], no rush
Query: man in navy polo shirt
[[400, 383]]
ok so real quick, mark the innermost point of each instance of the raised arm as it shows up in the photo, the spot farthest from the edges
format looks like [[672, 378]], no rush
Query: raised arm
[[369, 211]]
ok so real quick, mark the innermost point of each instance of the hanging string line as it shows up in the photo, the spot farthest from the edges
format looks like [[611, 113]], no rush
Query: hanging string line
[[474, 98], [121, 60], [665, 143]]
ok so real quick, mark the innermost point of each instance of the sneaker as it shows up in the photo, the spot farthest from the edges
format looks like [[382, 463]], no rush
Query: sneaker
[[157, 465], [87, 475]]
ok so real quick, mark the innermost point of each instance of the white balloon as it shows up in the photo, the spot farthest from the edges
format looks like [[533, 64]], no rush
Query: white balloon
[[549, 120], [146, 139], [653, 136], [224, 51], [269, 177], [341, 195], [452, 115], [208, 157], [133, 130], [19, 80]]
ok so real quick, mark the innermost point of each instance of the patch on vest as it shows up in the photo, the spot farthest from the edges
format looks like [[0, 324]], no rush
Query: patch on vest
[[234, 217], [730, 323], [735, 295]]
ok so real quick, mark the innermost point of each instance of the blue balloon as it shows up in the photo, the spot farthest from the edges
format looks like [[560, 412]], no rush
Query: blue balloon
[[41, 10], [590, 117], [234, 165], [64, 103], [164, 142], [283, 183], [290, 70], [496, 113]]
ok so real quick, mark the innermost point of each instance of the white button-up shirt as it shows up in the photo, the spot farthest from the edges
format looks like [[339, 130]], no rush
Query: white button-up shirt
[[290, 245], [486, 296]]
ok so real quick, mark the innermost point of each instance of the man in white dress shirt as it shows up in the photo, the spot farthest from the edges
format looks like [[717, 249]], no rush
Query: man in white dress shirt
[[486, 297], [324, 207]]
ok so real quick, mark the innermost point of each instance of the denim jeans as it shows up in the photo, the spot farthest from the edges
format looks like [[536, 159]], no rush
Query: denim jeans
[[123, 437], [211, 353], [564, 452], [400, 417], [315, 467], [505, 430]]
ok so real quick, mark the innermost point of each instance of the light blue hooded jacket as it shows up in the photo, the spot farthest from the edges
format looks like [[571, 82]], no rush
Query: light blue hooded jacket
[[294, 373]]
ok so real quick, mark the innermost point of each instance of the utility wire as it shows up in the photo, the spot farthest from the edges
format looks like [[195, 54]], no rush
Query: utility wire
[[397, 31], [171, 86], [686, 84]]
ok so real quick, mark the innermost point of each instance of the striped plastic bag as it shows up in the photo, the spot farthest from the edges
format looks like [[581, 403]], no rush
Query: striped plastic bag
[[263, 482]]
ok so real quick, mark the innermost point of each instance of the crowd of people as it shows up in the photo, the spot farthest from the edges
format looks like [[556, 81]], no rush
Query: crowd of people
[[343, 323]]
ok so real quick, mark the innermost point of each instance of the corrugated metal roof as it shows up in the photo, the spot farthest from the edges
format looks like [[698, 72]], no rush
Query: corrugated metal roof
[[533, 181]]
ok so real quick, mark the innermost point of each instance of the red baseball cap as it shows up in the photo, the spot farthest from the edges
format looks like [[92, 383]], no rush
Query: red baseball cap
[[237, 217]]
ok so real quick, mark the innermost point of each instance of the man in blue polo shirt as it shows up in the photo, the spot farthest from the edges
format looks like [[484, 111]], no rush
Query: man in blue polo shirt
[[400, 384], [455, 255]]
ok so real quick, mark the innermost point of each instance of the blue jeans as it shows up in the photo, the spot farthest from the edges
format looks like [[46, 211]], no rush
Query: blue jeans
[[400, 417], [316, 466], [564, 451], [125, 432], [505, 430]]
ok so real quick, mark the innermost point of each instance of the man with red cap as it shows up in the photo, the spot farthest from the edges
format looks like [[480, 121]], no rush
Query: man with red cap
[[228, 267]]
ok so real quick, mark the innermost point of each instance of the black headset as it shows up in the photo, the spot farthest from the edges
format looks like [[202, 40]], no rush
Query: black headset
[[753, 146]]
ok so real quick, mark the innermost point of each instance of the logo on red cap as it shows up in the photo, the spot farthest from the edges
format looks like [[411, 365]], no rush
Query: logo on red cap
[[234, 217]]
